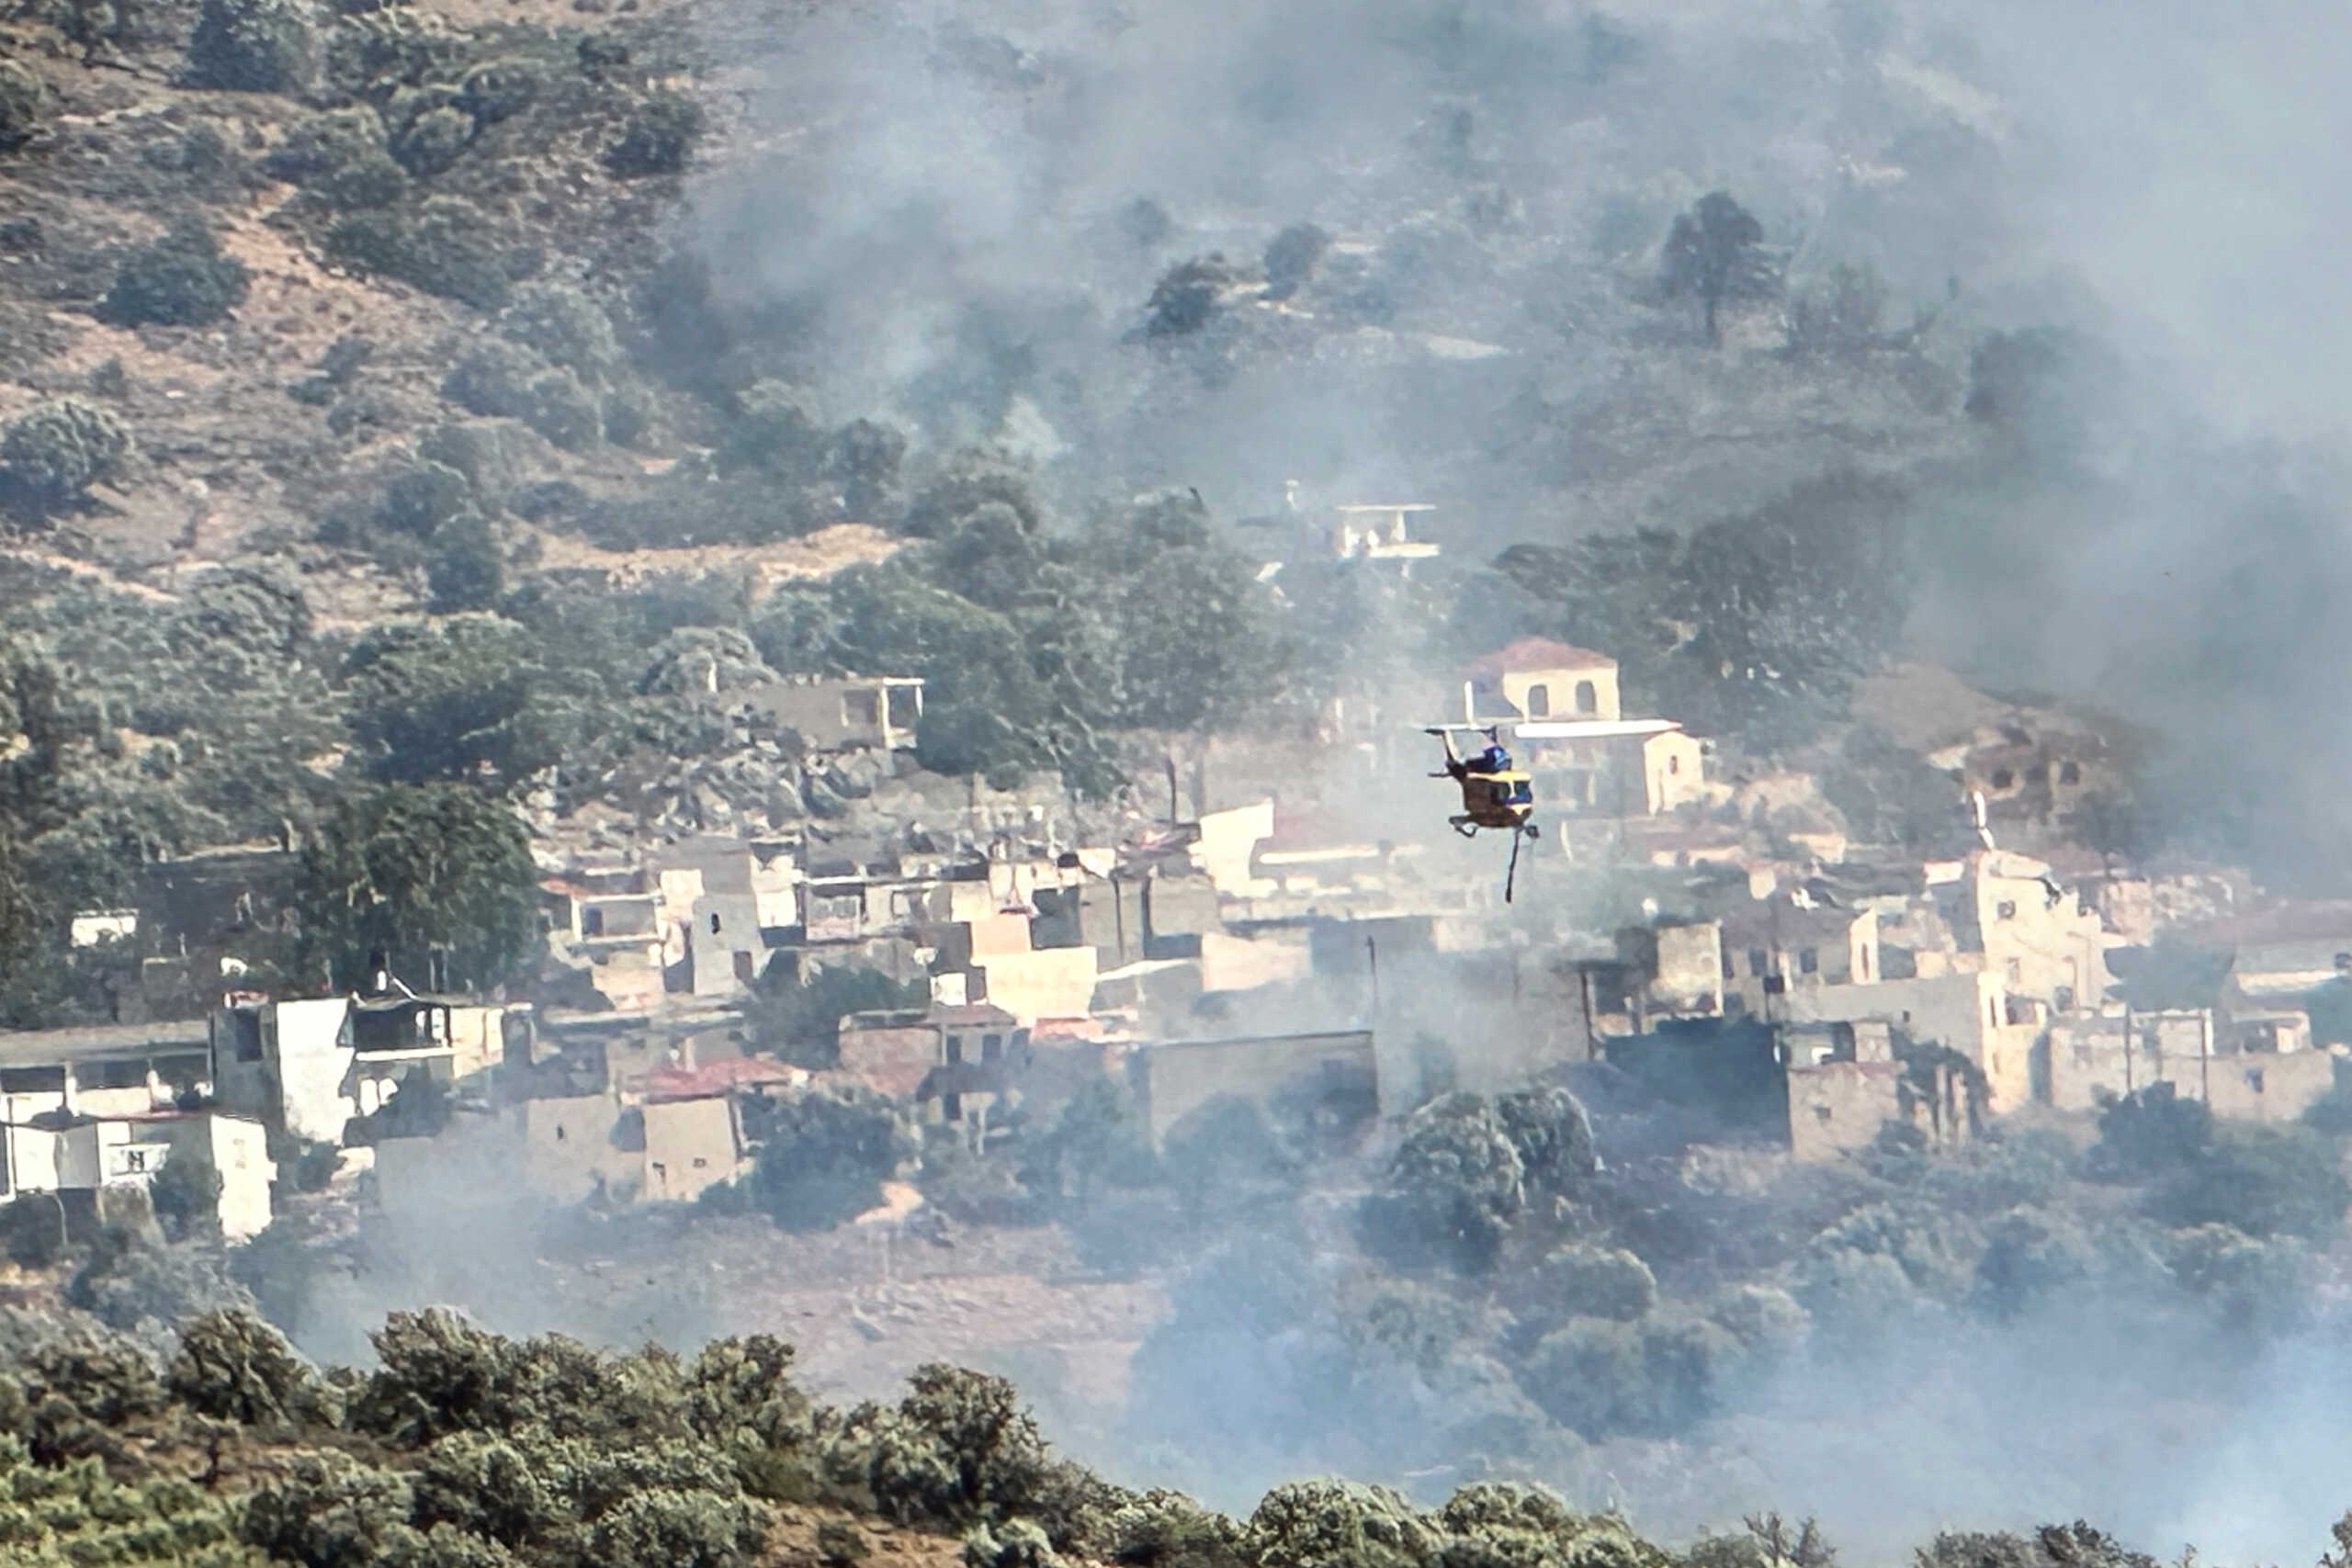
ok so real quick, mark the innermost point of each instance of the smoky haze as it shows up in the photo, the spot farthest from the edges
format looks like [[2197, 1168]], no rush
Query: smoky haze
[[948, 213]]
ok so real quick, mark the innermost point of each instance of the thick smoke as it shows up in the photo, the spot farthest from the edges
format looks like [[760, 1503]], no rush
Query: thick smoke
[[963, 209]]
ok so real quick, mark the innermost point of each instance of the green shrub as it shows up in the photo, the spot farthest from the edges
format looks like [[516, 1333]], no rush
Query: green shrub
[[235, 1367], [1337, 1524], [60, 448], [423, 495], [825, 1155], [32, 1226], [252, 46], [24, 98], [447, 246], [1168, 1529], [776, 429], [478, 451], [563, 326], [129, 1279], [1598, 1282], [328, 1510], [466, 570], [433, 139], [186, 1194], [659, 137], [1015, 1544], [1652, 1378], [739, 1392], [678, 1529], [181, 280], [376, 51], [494, 378], [1452, 1191], [500, 89], [564, 410], [342, 155], [629, 414]]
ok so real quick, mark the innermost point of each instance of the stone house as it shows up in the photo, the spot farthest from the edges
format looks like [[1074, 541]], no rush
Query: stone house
[[81, 1156], [1171, 1079], [312, 1064], [1773, 946], [836, 713]]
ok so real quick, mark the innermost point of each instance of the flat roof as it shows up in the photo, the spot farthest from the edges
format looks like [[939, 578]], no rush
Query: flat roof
[[1352, 1035], [40, 1047]]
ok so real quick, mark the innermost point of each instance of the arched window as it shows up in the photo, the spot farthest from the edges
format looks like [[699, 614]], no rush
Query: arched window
[[1588, 698], [1539, 701], [714, 922]]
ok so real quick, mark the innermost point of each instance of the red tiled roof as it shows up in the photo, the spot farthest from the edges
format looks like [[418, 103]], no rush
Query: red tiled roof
[[719, 1078], [1539, 653]]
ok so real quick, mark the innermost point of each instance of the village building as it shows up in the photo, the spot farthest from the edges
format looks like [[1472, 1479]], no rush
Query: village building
[[1970, 1012], [1772, 947], [1845, 1085], [1171, 1079], [312, 1064], [130, 1070], [82, 1156], [1573, 735], [2034, 934], [2260, 1068], [957, 1062], [1379, 532], [835, 713]]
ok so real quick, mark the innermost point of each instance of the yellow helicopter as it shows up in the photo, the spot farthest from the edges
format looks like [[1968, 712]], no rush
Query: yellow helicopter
[[1495, 796]]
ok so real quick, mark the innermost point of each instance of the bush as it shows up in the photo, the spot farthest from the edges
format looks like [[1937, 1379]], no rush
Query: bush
[[1451, 1189], [129, 1282], [776, 429], [466, 570], [564, 410], [494, 378], [1598, 1282], [564, 327], [24, 98], [659, 137], [482, 453], [2264, 1181], [433, 140], [186, 1194], [500, 89], [678, 1529], [1016, 1544], [181, 280], [1186, 297], [327, 1510], [2029, 1254], [826, 1154], [421, 496], [1291, 256], [1553, 1137], [252, 46], [233, 1366], [447, 246], [61, 449], [33, 1227], [1652, 1378], [1337, 1524]]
